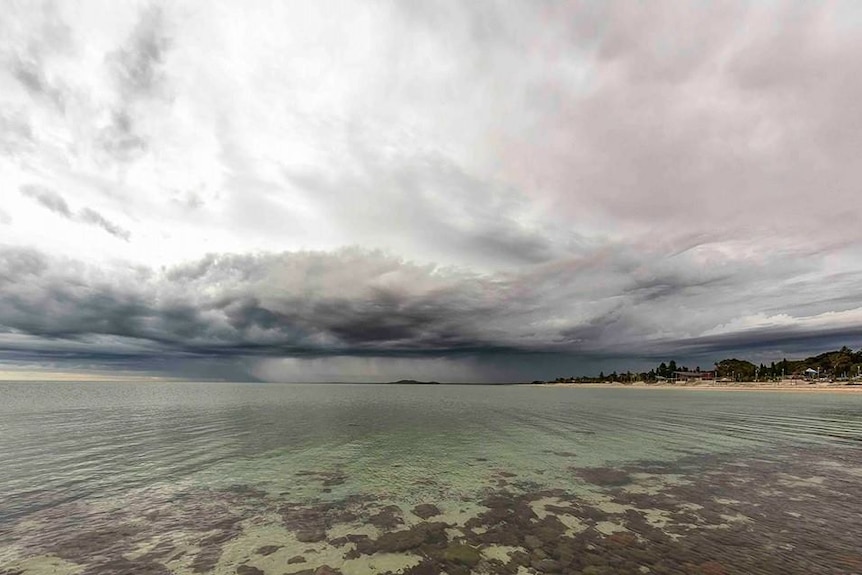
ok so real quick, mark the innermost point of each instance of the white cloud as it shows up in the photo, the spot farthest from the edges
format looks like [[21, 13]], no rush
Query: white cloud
[[827, 320]]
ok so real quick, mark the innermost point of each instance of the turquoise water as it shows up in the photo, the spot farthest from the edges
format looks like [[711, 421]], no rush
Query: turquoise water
[[250, 478]]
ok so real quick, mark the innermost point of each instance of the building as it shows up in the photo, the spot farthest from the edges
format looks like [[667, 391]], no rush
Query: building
[[693, 375]]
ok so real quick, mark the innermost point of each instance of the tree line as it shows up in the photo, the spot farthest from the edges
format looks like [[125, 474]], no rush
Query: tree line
[[840, 364]]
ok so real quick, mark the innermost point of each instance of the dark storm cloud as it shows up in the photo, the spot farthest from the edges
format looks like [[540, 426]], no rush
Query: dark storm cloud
[[366, 304], [333, 305]]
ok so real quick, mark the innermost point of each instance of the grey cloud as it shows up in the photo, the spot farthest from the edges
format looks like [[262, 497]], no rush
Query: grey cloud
[[137, 70], [5, 218], [733, 116], [757, 345], [47, 198], [16, 134], [93, 217], [138, 66], [434, 204], [625, 120], [120, 140], [53, 201], [367, 304], [21, 265], [27, 60], [250, 314], [31, 75]]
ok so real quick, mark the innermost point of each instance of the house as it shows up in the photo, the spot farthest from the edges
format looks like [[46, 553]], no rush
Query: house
[[693, 375]]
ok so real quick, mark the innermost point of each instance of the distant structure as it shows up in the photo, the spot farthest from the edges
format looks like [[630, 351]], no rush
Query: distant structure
[[693, 376]]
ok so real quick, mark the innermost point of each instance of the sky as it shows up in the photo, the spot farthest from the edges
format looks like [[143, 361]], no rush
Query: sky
[[458, 191]]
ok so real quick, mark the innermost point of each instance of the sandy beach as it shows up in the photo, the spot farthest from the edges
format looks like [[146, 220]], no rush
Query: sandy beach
[[708, 386]]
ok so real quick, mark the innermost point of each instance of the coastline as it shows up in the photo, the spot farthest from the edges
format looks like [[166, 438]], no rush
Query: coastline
[[740, 386]]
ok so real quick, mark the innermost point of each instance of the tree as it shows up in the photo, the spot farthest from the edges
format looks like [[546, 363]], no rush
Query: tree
[[739, 369], [842, 364]]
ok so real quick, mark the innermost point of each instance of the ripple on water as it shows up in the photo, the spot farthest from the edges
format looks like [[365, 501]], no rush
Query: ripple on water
[[521, 481]]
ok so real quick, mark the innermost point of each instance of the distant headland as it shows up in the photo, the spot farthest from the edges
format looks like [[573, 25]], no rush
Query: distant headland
[[842, 367]]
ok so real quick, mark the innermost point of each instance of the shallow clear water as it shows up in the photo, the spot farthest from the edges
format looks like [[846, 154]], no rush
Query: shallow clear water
[[229, 478]]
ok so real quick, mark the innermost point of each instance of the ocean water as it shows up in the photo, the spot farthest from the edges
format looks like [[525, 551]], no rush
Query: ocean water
[[280, 479]]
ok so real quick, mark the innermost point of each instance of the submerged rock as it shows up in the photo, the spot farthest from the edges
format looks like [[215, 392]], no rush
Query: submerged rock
[[404, 540], [310, 535], [425, 567], [322, 570], [604, 476], [122, 566], [461, 554], [546, 566], [249, 570], [388, 518], [426, 510], [400, 540]]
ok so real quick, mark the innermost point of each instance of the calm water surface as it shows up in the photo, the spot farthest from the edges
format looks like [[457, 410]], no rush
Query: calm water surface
[[276, 479]]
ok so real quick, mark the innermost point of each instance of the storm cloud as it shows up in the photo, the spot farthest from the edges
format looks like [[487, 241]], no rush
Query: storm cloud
[[356, 303], [489, 189]]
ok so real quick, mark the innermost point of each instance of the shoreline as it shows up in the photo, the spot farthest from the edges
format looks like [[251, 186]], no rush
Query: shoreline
[[741, 386]]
